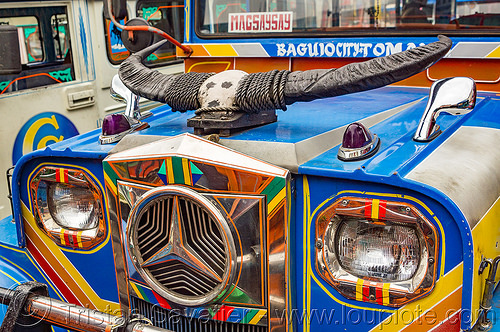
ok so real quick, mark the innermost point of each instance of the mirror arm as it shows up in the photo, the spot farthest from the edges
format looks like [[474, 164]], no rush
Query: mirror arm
[[454, 93]]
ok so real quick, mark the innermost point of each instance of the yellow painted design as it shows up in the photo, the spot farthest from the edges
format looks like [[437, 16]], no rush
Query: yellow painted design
[[170, 170], [110, 184], [305, 219], [34, 264], [186, 171], [288, 244], [29, 138], [223, 50], [61, 175], [187, 9], [276, 200], [136, 290], [258, 317], [101, 304], [359, 290], [79, 239], [484, 237], [61, 235], [10, 277], [495, 53], [43, 142], [227, 63], [385, 293], [446, 285], [375, 205]]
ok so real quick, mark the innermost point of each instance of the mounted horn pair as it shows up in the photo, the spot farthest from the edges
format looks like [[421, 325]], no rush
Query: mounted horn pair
[[238, 92]]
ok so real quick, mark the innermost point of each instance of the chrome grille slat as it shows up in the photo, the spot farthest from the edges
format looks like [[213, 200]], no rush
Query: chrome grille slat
[[191, 221], [159, 234], [214, 254], [171, 320], [214, 235]]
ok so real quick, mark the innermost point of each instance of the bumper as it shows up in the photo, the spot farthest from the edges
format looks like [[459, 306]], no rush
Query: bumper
[[44, 309]]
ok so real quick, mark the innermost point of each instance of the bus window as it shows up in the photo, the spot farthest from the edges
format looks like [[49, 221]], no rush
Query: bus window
[[59, 24], [114, 47], [220, 17], [167, 16], [44, 47], [164, 15], [29, 28]]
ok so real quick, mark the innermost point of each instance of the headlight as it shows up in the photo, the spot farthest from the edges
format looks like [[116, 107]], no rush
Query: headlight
[[68, 207], [376, 251], [387, 252]]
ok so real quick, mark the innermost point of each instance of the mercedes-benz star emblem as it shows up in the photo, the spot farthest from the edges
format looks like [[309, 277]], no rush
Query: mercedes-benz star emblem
[[177, 249]]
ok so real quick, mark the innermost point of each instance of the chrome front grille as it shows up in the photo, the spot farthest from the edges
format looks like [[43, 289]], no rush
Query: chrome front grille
[[172, 320], [181, 245]]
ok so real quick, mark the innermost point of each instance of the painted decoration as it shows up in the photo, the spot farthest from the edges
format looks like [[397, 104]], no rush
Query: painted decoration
[[41, 130]]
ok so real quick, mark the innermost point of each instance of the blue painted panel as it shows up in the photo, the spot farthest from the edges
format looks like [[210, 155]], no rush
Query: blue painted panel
[[342, 310], [103, 283]]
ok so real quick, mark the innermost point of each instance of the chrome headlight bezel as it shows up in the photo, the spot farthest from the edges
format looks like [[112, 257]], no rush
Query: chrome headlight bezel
[[380, 214], [66, 233]]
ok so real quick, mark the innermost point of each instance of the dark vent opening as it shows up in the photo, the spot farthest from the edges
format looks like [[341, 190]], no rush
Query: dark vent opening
[[154, 227], [172, 320], [181, 278]]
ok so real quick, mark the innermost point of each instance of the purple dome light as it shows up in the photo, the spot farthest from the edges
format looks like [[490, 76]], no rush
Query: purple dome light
[[356, 136], [358, 143], [114, 124]]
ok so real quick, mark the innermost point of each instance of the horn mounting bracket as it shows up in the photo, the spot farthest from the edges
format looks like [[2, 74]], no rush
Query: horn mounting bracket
[[226, 122]]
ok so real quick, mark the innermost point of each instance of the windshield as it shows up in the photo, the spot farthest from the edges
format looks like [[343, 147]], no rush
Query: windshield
[[288, 16]]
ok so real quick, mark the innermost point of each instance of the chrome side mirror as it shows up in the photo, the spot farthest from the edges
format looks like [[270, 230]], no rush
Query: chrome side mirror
[[121, 93], [117, 126], [453, 95]]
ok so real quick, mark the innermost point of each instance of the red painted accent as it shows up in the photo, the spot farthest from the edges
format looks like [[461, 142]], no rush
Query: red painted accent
[[382, 209], [379, 294], [223, 313], [161, 301], [53, 276], [366, 292], [75, 239], [66, 238], [452, 324], [368, 209]]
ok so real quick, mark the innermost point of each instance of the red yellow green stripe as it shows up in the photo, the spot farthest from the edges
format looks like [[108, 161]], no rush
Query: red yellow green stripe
[[62, 175], [139, 291]]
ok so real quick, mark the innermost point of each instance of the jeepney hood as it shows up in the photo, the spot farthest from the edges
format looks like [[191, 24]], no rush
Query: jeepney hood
[[306, 138]]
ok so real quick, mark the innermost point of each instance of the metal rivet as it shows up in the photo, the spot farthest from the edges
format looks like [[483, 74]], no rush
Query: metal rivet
[[345, 202], [319, 244], [431, 260]]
